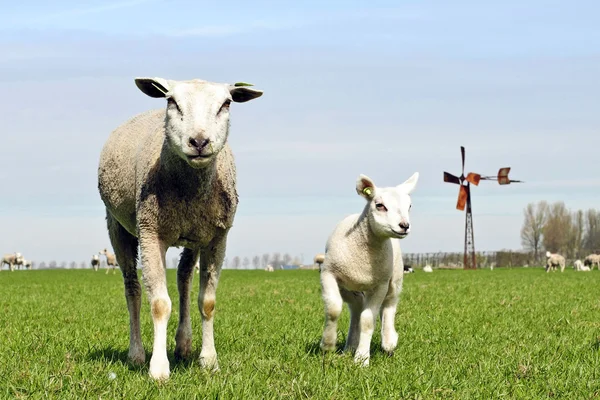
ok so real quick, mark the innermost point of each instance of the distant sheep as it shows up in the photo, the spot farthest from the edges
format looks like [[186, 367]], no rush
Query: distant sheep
[[592, 260], [11, 260], [27, 264], [111, 260], [363, 267], [269, 268], [408, 269], [95, 262], [427, 268], [553, 261], [578, 266], [319, 258], [168, 179]]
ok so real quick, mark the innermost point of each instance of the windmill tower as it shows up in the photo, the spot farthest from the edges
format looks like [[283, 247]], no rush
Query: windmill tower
[[464, 199]]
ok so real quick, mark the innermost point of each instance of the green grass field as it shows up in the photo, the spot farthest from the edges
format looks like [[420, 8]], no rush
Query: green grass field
[[517, 333]]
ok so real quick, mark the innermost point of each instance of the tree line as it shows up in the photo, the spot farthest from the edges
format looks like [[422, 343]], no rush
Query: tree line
[[555, 228]]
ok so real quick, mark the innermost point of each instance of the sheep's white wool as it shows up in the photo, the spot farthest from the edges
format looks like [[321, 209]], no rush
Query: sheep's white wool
[[427, 268], [363, 267], [553, 261]]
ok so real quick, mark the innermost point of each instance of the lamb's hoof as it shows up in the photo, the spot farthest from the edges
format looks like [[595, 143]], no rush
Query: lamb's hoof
[[209, 362], [389, 343], [159, 368], [327, 346]]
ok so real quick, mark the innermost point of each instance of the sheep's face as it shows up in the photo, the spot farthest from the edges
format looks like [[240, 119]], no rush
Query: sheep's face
[[388, 208], [197, 115]]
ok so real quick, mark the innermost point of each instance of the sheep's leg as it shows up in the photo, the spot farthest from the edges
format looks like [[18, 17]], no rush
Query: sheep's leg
[[389, 336], [183, 337], [125, 246], [211, 261], [155, 281], [355, 302], [373, 301], [333, 302]]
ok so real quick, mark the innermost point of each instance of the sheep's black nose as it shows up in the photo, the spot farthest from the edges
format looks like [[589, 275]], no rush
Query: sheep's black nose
[[404, 225], [198, 145]]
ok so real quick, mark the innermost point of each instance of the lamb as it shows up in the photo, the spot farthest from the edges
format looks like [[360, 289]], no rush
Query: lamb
[[408, 269], [26, 264], [269, 268], [591, 260], [96, 262], [578, 266], [363, 267], [11, 260], [553, 261], [427, 268], [319, 258], [167, 178], [111, 260]]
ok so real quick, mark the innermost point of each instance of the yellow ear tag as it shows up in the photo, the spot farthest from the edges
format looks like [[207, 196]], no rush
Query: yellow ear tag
[[368, 191]]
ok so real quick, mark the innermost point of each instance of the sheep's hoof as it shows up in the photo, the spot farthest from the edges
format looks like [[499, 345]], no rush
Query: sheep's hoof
[[183, 350], [137, 358], [159, 368]]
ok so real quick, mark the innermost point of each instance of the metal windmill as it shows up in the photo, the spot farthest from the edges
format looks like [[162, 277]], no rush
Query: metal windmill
[[464, 198]]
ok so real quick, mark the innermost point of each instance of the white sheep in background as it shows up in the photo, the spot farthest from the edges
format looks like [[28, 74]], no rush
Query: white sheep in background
[[319, 258], [95, 262], [427, 268], [269, 268], [167, 178], [26, 264], [553, 261], [591, 260], [363, 267]]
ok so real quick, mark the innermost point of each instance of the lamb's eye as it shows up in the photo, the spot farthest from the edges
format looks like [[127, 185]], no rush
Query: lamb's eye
[[380, 207], [225, 106]]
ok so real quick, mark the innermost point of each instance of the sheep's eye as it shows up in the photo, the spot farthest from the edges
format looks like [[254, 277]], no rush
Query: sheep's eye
[[380, 207], [225, 106], [172, 103]]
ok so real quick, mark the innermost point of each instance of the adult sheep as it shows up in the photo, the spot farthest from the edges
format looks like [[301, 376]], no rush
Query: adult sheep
[[111, 260], [95, 262], [11, 260], [554, 261], [319, 259], [167, 178], [591, 260]]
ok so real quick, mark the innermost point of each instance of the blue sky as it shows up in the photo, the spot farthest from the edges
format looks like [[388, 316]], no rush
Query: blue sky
[[381, 88]]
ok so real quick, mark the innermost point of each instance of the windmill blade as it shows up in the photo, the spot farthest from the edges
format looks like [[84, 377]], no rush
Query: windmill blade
[[448, 177], [462, 153], [462, 198], [473, 178]]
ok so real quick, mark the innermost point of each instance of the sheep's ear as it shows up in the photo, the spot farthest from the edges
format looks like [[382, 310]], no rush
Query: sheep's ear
[[365, 187], [409, 185], [242, 92], [153, 87]]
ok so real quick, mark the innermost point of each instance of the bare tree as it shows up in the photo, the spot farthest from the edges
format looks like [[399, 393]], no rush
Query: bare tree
[[246, 262], [575, 243], [287, 259], [52, 264], [276, 260], [73, 265], [225, 263], [557, 228], [533, 227], [236, 262], [265, 260], [256, 262], [592, 231], [43, 265]]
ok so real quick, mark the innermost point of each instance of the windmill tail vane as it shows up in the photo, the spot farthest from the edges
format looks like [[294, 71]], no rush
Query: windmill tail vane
[[464, 199]]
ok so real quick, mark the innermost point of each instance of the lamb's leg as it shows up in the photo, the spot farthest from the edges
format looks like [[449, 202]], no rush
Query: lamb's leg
[[125, 246], [389, 336], [155, 281], [355, 302], [333, 302], [373, 301], [183, 337], [211, 261]]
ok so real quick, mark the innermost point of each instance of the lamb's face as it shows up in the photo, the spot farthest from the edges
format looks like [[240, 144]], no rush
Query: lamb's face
[[197, 116], [389, 207]]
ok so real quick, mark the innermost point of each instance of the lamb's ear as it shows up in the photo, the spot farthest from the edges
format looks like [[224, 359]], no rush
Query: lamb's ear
[[242, 92], [153, 87], [409, 185], [365, 187]]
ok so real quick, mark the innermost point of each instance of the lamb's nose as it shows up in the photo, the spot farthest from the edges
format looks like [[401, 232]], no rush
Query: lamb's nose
[[198, 145], [404, 225]]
